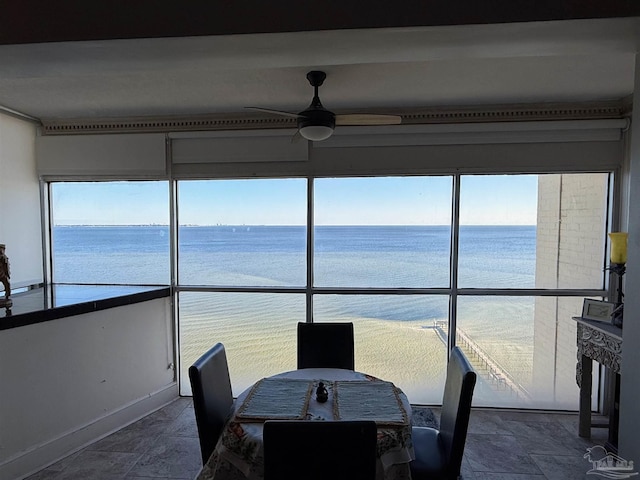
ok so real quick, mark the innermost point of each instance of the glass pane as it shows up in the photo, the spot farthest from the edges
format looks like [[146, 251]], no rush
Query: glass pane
[[498, 256], [382, 232], [532, 231], [401, 339], [497, 231], [496, 334], [242, 232], [523, 349], [555, 353], [258, 331], [572, 219], [110, 232]]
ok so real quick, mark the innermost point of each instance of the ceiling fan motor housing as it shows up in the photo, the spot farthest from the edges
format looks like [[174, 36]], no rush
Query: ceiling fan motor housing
[[314, 117], [316, 122]]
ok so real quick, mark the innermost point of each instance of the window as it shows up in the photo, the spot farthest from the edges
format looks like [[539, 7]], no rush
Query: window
[[498, 263], [249, 236], [537, 233], [110, 232], [389, 232], [242, 232], [256, 329], [400, 338]]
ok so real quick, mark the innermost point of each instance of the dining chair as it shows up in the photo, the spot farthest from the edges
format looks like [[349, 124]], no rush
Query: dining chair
[[439, 451], [320, 450], [326, 345], [212, 397]]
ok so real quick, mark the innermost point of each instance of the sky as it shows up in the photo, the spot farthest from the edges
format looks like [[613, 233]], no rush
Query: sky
[[484, 200]]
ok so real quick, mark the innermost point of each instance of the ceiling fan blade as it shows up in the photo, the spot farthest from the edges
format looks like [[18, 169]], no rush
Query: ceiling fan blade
[[366, 119], [276, 112]]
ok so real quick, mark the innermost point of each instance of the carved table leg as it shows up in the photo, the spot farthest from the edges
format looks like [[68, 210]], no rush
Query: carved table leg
[[584, 422]]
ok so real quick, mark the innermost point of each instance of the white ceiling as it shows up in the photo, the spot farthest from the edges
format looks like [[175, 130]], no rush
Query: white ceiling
[[557, 61]]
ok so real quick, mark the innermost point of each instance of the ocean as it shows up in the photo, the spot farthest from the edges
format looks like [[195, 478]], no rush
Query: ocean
[[399, 335], [352, 256]]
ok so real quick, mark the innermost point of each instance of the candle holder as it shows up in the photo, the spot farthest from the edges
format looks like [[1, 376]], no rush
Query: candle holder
[[617, 267]]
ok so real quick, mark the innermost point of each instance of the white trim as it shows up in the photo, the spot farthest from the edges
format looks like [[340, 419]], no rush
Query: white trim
[[282, 132], [19, 115], [489, 147], [252, 122], [567, 157], [547, 125], [40, 456], [238, 147], [477, 133]]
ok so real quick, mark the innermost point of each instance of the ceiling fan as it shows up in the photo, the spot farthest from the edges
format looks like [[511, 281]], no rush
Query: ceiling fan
[[317, 123]]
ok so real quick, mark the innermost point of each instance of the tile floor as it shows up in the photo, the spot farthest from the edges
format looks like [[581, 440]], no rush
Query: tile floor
[[501, 445]]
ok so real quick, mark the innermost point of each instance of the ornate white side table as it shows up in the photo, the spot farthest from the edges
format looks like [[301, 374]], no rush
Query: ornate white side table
[[601, 342]]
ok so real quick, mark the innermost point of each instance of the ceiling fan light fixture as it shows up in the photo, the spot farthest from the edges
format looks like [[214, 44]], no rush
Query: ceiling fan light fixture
[[316, 133], [316, 123]]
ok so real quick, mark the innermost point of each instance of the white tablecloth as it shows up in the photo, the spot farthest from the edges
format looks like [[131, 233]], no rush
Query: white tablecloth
[[238, 454]]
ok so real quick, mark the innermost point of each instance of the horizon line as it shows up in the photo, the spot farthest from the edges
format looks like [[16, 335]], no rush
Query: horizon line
[[287, 225]]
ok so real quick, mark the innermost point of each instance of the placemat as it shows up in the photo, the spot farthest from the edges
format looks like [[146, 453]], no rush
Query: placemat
[[378, 401], [276, 399]]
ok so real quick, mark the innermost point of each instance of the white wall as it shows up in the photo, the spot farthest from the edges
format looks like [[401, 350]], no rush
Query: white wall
[[66, 382], [20, 224], [629, 438]]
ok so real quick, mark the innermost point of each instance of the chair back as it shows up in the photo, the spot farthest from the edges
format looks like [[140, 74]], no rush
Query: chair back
[[212, 397], [326, 345], [456, 409], [314, 450]]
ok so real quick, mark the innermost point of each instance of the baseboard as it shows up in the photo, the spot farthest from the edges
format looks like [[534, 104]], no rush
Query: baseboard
[[49, 452]]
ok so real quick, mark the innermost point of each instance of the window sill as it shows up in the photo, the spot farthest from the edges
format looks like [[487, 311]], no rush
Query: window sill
[[59, 301]]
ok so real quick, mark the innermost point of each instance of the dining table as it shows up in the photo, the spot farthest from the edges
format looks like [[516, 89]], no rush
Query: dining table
[[352, 395]]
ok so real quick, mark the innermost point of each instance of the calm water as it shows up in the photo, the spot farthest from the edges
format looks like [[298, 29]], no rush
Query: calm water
[[358, 256], [355, 256], [377, 256]]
